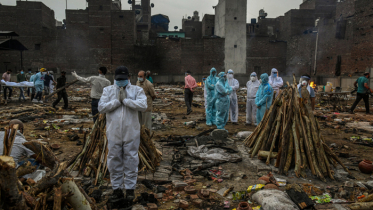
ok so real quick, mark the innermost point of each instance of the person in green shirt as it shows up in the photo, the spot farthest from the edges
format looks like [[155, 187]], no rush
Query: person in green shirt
[[362, 92], [28, 77], [21, 77], [148, 77]]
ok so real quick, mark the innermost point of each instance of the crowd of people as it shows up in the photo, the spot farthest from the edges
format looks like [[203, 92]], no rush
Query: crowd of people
[[220, 93]]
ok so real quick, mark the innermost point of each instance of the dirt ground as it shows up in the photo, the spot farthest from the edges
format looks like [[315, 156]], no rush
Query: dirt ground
[[171, 103]]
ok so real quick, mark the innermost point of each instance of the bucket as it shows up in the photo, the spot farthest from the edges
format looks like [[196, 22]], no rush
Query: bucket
[[328, 89]]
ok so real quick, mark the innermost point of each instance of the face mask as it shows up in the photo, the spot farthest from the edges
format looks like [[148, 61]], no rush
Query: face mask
[[29, 72], [213, 73], [304, 83], [230, 76], [275, 74], [44, 73], [21, 72], [253, 79], [186, 74], [140, 79], [121, 83]]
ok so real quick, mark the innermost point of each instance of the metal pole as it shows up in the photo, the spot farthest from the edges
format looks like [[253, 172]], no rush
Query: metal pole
[[317, 40]]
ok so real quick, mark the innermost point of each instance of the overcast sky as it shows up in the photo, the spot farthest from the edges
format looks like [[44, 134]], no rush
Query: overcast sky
[[176, 9]]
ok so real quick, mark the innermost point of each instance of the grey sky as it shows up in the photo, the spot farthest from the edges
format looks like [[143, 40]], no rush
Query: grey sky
[[176, 9]]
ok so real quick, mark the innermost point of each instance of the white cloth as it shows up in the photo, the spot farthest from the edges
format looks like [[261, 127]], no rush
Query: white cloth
[[145, 118], [252, 88], [21, 84], [275, 82], [251, 111], [98, 84], [18, 149], [123, 133], [233, 108]]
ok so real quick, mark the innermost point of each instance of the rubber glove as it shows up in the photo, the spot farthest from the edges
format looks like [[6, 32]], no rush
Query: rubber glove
[[122, 94]]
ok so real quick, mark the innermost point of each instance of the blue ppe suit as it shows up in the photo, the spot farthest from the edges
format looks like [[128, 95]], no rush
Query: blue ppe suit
[[210, 98], [263, 99], [223, 90], [39, 82]]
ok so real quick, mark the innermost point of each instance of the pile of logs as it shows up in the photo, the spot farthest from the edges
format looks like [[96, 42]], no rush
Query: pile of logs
[[290, 132], [92, 160], [150, 157], [53, 191]]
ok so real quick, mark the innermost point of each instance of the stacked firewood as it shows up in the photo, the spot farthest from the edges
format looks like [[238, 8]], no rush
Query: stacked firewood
[[92, 160], [290, 132], [54, 191]]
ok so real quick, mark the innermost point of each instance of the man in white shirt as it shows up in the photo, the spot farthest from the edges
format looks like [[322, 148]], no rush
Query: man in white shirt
[[98, 84]]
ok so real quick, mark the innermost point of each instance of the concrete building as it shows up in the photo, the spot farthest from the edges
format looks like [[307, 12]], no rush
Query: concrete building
[[230, 23], [192, 26]]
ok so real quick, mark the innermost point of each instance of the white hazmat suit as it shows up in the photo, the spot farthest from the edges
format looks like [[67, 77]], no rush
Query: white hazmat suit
[[233, 108], [123, 132], [275, 81], [252, 88]]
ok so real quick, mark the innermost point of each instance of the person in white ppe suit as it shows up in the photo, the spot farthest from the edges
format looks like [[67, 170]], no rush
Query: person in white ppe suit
[[252, 87], [233, 108], [275, 81], [121, 102]]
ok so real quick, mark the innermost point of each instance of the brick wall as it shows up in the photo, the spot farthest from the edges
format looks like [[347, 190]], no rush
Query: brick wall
[[192, 29]]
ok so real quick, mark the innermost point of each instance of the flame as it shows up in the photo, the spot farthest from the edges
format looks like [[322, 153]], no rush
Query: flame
[[199, 84], [313, 85]]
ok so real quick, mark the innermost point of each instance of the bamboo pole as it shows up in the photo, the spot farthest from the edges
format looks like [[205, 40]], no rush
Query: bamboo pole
[[298, 160], [289, 153], [278, 120]]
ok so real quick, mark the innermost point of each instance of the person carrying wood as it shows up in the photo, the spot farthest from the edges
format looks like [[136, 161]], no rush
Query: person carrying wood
[[145, 118], [122, 102], [305, 82], [98, 84], [61, 82], [18, 149], [263, 98], [363, 91]]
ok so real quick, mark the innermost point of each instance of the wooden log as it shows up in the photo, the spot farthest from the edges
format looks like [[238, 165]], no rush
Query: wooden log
[[25, 169], [267, 154], [273, 142], [285, 136], [43, 154], [51, 180], [301, 134], [298, 160], [334, 156], [77, 201], [307, 145], [29, 199], [60, 89], [9, 137], [57, 198], [311, 147], [289, 157], [314, 132], [10, 195], [361, 206]]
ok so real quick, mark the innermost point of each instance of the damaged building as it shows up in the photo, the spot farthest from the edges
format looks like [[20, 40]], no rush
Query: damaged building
[[104, 34]]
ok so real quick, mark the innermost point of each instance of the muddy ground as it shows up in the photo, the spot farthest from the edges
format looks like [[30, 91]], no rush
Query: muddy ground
[[170, 102]]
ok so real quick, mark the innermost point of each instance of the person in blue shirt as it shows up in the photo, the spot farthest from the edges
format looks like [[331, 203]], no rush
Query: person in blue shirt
[[363, 90], [305, 81]]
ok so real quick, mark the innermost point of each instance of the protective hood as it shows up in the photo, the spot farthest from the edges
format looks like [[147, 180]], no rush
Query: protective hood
[[274, 71], [231, 80], [221, 76], [264, 78], [212, 70], [254, 74]]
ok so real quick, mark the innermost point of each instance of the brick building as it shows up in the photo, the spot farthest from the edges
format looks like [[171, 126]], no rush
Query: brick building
[[104, 35]]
